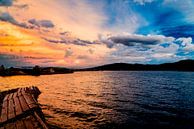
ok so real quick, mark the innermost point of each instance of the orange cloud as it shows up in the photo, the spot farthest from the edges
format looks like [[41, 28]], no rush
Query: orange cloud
[[80, 17], [28, 45]]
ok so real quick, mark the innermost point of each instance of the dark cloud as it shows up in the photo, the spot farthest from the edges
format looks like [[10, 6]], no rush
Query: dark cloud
[[52, 40], [70, 41], [46, 24], [41, 23], [65, 33], [24, 25], [32, 57], [6, 2], [5, 16], [136, 40], [82, 42], [22, 6]]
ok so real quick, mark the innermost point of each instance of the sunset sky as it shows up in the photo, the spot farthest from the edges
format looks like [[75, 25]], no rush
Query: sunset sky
[[86, 33]]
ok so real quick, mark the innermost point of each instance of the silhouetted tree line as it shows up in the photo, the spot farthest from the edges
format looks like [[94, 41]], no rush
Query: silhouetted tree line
[[36, 71]]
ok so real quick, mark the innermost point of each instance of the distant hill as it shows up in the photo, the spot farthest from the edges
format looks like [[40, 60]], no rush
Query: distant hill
[[184, 65]]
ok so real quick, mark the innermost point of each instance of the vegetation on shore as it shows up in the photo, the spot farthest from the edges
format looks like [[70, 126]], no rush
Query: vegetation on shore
[[184, 65], [36, 71]]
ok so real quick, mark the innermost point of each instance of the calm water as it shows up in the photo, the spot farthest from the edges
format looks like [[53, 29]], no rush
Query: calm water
[[114, 99]]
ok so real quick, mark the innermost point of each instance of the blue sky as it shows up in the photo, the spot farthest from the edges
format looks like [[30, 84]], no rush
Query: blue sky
[[169, 18], [166, 17], [87, 33]]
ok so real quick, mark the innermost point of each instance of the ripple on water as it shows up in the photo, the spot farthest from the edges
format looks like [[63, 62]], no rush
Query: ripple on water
[[119, 99]]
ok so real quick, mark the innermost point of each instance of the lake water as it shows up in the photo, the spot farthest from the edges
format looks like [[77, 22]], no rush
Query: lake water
[[119, 99]]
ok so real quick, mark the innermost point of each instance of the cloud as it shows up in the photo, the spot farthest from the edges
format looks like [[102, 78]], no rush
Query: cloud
[[84, 18], [136, 40], [54, 40], [68, 52], [82, 57], [66, 33], [70, 41], [143, 2], [155, 54], [6, 2], [41, 23], [168, 17], [11, 60], [21, 6], [82, 42], [137, 31], [91, 51], [186, 44], [5, 16], [135, 48], [122, 17]]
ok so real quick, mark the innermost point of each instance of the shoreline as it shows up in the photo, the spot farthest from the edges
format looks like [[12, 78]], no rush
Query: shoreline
[[34, 71], [97, 71], [33, 75]]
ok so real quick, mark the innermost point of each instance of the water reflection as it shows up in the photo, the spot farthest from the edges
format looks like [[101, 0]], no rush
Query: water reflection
[[114, 99]]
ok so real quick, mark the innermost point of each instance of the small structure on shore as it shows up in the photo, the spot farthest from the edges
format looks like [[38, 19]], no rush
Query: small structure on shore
[[20, 109], [35, 71]]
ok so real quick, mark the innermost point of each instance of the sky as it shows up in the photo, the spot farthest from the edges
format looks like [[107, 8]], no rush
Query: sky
[[87, 33]]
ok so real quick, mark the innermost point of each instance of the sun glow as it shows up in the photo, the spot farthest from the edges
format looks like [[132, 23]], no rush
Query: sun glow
[[28, 46]]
